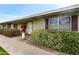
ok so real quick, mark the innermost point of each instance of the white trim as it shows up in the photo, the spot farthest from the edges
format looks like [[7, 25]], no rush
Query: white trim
[[58, 22], [70, 23], [78, 23]]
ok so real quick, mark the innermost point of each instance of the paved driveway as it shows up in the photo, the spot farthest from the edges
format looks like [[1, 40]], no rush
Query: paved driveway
[[15, 47]]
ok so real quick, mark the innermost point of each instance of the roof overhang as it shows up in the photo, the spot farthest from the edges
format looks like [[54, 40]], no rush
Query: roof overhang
[[67, 11]]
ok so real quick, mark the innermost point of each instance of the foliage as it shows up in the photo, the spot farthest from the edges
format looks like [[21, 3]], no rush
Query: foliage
[[67, 42]]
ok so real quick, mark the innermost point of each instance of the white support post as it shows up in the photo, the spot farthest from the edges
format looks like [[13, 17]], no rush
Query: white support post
[[6, 26], [12, 27]]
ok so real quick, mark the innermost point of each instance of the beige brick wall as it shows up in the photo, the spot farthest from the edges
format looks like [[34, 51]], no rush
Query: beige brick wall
[[39, 24]]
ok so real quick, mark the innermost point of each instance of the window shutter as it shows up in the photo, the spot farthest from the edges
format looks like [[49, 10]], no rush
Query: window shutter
[[74, 22], [46, 24]]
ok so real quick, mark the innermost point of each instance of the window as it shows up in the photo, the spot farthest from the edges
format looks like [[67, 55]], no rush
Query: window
[[53, 23], [64, 23], [59, 23], [53, 20]]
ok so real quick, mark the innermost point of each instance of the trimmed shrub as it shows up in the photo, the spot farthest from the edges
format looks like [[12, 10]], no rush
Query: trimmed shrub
[[11, 32], [70, 42], [67, 42]]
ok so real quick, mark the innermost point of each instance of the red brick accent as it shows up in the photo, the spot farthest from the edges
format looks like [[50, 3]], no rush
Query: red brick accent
[[74, 22]]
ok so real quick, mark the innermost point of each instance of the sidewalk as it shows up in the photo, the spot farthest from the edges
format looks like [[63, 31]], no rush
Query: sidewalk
[[15, 47]]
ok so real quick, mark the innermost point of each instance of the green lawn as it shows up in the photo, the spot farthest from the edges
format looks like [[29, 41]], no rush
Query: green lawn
[[3, 52]]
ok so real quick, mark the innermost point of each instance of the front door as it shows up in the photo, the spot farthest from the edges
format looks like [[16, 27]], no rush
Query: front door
[[29, 27]]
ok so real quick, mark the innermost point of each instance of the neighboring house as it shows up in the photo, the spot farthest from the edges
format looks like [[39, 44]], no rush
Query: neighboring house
[[64, 19]]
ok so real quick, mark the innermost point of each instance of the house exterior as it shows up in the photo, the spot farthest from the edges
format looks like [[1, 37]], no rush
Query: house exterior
[[63, 19]]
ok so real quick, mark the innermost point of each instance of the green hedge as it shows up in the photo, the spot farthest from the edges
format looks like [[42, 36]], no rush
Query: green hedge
[[67, 42], [10, 32]]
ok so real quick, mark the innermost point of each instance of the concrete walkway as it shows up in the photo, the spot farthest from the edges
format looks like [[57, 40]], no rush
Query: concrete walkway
[[15, 47]]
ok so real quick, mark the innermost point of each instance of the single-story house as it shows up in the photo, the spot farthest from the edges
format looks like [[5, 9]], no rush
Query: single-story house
[[64, 19]]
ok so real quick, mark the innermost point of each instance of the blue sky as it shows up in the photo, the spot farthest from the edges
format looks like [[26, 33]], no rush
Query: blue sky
[[13, 11]]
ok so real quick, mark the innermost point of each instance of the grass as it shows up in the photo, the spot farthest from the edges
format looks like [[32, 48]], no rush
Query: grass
[[3, 52]]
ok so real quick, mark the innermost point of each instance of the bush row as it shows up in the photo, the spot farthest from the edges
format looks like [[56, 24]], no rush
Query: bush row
[[10, 32], [67, 42]]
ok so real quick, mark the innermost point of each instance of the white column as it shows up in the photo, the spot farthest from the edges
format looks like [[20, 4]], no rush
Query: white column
[[6, 26], [12, 27]]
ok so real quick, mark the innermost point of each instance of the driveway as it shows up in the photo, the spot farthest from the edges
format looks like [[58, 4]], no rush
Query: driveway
[[15, 47]]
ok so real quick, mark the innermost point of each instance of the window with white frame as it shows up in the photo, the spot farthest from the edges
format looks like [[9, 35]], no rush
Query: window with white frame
[[64, 23], [59, 23], [53, 23]]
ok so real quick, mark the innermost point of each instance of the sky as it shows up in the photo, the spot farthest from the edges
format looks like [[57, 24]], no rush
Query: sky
[[10, 12]]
